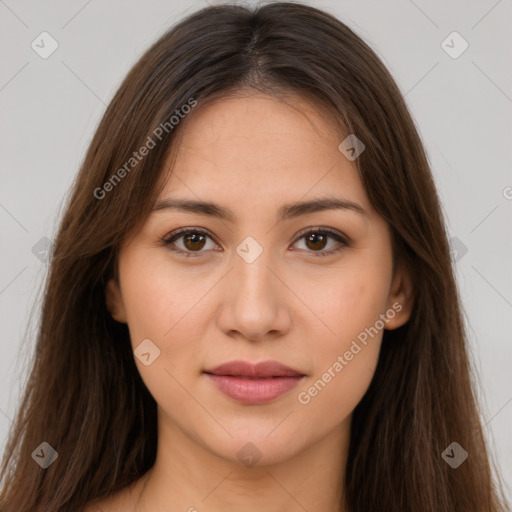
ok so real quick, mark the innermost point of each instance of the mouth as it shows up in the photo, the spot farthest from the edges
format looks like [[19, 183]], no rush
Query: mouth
[[254, 384]]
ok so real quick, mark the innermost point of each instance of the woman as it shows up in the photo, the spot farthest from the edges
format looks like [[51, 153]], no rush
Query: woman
[[251, 302]]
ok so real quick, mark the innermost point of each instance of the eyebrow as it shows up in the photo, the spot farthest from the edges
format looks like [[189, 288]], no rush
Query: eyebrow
[[287, 211]]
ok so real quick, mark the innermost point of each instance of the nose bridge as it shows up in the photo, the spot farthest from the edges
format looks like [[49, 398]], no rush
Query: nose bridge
[[253, 279], [252, 303]]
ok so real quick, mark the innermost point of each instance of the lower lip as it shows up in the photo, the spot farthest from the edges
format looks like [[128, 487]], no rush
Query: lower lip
[[254, 391]]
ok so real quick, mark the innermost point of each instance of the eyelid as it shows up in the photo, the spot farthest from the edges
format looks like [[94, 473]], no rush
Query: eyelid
[[323, 229], [341, 238], [180, 231]]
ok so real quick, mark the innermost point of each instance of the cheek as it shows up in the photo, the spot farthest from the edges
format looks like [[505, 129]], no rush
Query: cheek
[[344, 362], [145, 295], [349, 301], [329, 397], [159, 299], [163, 306]]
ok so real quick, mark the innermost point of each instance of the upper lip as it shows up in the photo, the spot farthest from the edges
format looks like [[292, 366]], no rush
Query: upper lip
[[245, 369]]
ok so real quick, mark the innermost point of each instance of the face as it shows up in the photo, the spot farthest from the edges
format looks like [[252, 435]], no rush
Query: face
[[310, 288]]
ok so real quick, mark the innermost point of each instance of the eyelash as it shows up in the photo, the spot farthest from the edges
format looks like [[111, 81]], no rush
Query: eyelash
[[175, 235]]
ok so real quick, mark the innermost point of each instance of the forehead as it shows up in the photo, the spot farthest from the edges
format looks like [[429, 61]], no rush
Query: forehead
[[253, 146]]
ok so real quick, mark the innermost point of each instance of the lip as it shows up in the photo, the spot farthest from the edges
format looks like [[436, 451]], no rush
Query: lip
[[254, 384]]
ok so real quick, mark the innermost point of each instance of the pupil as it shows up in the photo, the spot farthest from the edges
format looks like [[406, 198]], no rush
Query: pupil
[[195, 240], [315, 237]]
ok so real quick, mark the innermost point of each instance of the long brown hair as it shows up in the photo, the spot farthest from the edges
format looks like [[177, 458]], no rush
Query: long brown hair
[[84, 396]]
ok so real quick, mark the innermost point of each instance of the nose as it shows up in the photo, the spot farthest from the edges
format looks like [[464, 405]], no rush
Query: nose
[[254, 300]]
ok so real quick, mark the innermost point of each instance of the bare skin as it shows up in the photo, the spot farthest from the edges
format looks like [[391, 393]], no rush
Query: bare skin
[[252, 154]]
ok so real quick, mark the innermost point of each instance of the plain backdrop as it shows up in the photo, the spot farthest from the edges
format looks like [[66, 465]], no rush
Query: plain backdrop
[[462, 105]]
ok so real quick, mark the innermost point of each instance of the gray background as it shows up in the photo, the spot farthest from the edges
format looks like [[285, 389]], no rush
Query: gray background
[[462, 106]]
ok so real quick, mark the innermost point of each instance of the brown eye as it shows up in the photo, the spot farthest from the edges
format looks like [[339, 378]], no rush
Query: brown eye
[[194, 241], [188, 241], [316, 241], [191, 242]]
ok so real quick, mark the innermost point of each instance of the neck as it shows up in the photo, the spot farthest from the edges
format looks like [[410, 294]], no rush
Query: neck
[[190, 477]]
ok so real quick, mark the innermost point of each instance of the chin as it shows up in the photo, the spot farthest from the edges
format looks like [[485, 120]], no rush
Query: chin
[[256, 448]]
